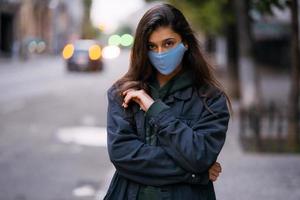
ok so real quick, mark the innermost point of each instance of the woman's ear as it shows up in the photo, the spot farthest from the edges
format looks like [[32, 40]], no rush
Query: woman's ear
[[186, 45]]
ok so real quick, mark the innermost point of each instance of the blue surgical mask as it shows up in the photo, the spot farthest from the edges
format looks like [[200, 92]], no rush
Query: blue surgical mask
[[166, 62]]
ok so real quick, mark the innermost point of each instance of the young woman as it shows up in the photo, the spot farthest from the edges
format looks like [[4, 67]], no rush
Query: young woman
[[167, 116]]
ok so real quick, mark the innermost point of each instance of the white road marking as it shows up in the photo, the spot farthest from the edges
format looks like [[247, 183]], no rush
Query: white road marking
[[83, 135], [84, 191]]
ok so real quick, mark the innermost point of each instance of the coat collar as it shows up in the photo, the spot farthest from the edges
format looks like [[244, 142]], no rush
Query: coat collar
[[180, 87], [183, 95]]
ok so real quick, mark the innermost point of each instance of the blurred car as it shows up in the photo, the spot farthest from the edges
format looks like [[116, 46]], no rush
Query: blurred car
[[83, 55]]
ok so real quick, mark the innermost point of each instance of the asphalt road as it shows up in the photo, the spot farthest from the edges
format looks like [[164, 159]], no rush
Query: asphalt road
[[52, 129]]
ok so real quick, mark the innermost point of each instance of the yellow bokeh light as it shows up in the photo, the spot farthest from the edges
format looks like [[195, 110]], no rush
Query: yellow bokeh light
[[101, 27], [94, 52], [68, 51]]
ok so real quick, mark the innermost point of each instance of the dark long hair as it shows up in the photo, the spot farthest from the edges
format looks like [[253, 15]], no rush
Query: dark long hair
[[140, 69]]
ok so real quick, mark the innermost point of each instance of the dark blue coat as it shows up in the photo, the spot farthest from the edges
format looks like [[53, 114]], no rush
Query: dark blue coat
[[191, 136]]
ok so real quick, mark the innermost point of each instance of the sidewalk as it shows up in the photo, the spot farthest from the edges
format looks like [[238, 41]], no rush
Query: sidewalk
[[259, 176]]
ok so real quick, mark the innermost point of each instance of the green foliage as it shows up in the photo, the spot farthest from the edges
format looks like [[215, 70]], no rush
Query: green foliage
[[87, 4], [209, 16], [265, 6]]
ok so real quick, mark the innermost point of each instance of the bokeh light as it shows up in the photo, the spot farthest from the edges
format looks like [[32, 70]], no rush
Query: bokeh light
[[41, 47], [68, 51], [101, 27], [114, 40], [126, 40], [32, 46], [94, 52], [111, 52]]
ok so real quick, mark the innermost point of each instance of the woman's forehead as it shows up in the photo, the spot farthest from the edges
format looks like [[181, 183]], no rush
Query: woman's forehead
[[162, 33]]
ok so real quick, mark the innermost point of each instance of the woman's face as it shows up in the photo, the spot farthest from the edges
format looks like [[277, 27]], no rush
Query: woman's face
[[163, 39]]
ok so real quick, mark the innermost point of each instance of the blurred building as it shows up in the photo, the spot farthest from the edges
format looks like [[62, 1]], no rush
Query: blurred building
[[8, 13], [38, 26], [67, 18], [272, 38]]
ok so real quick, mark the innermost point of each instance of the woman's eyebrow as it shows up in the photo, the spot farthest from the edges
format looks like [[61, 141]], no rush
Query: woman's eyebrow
[[167, 39], [170, 38]]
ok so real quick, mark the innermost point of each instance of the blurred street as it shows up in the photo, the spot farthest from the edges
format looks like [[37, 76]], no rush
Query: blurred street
[[59, 57], [39, 99], [248, 176]]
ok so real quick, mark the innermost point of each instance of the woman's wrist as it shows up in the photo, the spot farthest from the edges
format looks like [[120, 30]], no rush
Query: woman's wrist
[[149, 102]]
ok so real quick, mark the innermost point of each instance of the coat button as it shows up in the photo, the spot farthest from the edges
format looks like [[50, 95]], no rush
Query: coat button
[[193, 175]]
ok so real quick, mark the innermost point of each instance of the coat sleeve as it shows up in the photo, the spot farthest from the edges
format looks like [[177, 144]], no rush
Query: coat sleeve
[[138, 161], [196, 148]]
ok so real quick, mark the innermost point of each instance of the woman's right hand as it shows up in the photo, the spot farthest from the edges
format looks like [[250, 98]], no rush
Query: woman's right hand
[[214, 171], [139, 96]]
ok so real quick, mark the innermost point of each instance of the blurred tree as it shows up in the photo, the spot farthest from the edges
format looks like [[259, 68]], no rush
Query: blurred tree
[[88, 31], [247, 72], [230, 32], [209, 16], [249, 80], [293, 125]]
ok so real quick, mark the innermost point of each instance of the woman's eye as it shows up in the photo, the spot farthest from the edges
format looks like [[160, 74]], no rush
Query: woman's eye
[[169, 44], [151, 47]]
